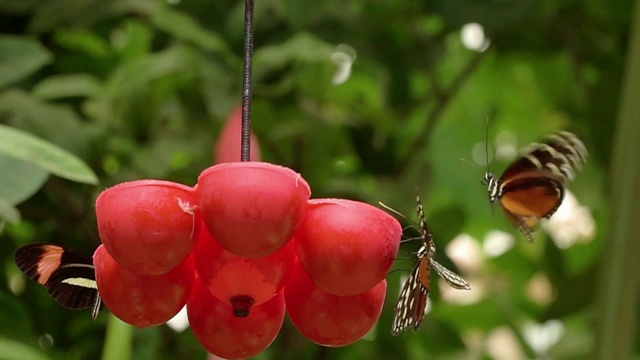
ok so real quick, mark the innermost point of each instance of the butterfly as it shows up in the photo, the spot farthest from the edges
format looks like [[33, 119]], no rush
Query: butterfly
[[412, 302], [68, 275], [532, 187]]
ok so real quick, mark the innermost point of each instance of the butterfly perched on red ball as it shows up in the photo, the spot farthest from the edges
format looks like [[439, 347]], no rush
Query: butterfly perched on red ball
[[532, 187], [68, 275], [412, 302]]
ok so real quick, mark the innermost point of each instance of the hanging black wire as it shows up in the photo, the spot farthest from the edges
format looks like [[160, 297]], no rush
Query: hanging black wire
[[246, 83]]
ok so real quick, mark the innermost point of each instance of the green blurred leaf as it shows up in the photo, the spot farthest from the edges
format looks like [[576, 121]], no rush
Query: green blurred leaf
[[134, 39], [14, 310], [8, 212], [44, 154], [13, 350], [19, 179], [20, 57], [18, 6], [65, 86], [56, 123], [302, 47], [83, 41], [186, 28]]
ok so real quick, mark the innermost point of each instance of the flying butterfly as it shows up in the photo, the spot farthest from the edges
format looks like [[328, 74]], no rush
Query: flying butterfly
[[412, 302], [68, 275], [532, 187]]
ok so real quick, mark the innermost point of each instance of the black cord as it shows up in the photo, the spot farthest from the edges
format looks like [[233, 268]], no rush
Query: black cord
[[246, 83]]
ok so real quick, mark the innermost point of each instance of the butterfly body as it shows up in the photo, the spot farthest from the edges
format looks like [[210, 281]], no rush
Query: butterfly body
[[412, 302], [532, 188], [69, 276]]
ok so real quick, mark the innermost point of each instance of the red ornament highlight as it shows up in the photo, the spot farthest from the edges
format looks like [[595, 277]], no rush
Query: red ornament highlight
[[251, 208], [347, 247], [148, 226], [142, 300], [327, 319]]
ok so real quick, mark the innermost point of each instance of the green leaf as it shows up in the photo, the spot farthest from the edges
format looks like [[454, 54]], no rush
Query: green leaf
[[83, 42], [44, 154], [8, 212], [303, 47], [18, 179], [136, 39], [65, 86], [19, 58], [13, 350], [54, 122], [184, 27]]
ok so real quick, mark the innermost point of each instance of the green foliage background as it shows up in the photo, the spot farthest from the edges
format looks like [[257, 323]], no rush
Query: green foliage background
[[108, 91]]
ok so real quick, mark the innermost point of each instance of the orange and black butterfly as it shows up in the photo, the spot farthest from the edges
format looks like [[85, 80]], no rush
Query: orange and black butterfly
[[69, 276], [532, 188], [412, 302]]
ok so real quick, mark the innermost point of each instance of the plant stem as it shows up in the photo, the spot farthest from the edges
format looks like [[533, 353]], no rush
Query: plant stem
[[118, 340], [619, 284]]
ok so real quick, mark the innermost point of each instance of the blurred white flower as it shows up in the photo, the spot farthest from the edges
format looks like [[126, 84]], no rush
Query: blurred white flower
[[572, 223]]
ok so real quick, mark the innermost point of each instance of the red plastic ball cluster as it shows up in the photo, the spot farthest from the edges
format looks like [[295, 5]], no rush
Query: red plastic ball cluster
[[238, 249]]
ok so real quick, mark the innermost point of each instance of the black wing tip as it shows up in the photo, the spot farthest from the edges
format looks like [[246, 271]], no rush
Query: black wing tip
[[28, 251], [27, 258]]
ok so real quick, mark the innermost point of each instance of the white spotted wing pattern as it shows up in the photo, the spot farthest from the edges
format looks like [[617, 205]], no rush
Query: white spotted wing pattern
[[412, 302]]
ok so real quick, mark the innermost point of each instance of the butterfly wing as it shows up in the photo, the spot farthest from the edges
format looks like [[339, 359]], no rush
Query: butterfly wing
[[74, 285], [412, 302], [69, 276], [413, 299], [454, 280], [532, 188], [562, 154], [530, 196]]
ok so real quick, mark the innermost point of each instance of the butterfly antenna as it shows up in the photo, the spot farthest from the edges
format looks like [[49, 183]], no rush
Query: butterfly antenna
[[486, 143], [486, 154], [398, 270], [392, 209], [408, 239]]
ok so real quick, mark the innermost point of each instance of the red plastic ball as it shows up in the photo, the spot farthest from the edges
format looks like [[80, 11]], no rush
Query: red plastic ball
[[347, 247], [228, 336], [228, 275], [327, 319], [142, 300], [148, 226], [251, 208]]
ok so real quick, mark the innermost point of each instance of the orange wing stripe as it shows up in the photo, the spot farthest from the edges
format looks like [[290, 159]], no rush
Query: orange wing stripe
[[49, 262], [537, 201], [424, 273]]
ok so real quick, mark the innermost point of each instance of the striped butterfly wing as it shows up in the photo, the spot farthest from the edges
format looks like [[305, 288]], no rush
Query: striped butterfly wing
[[532, 188], [69, 276], [454, 280], [412, 302], [562, 153]]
